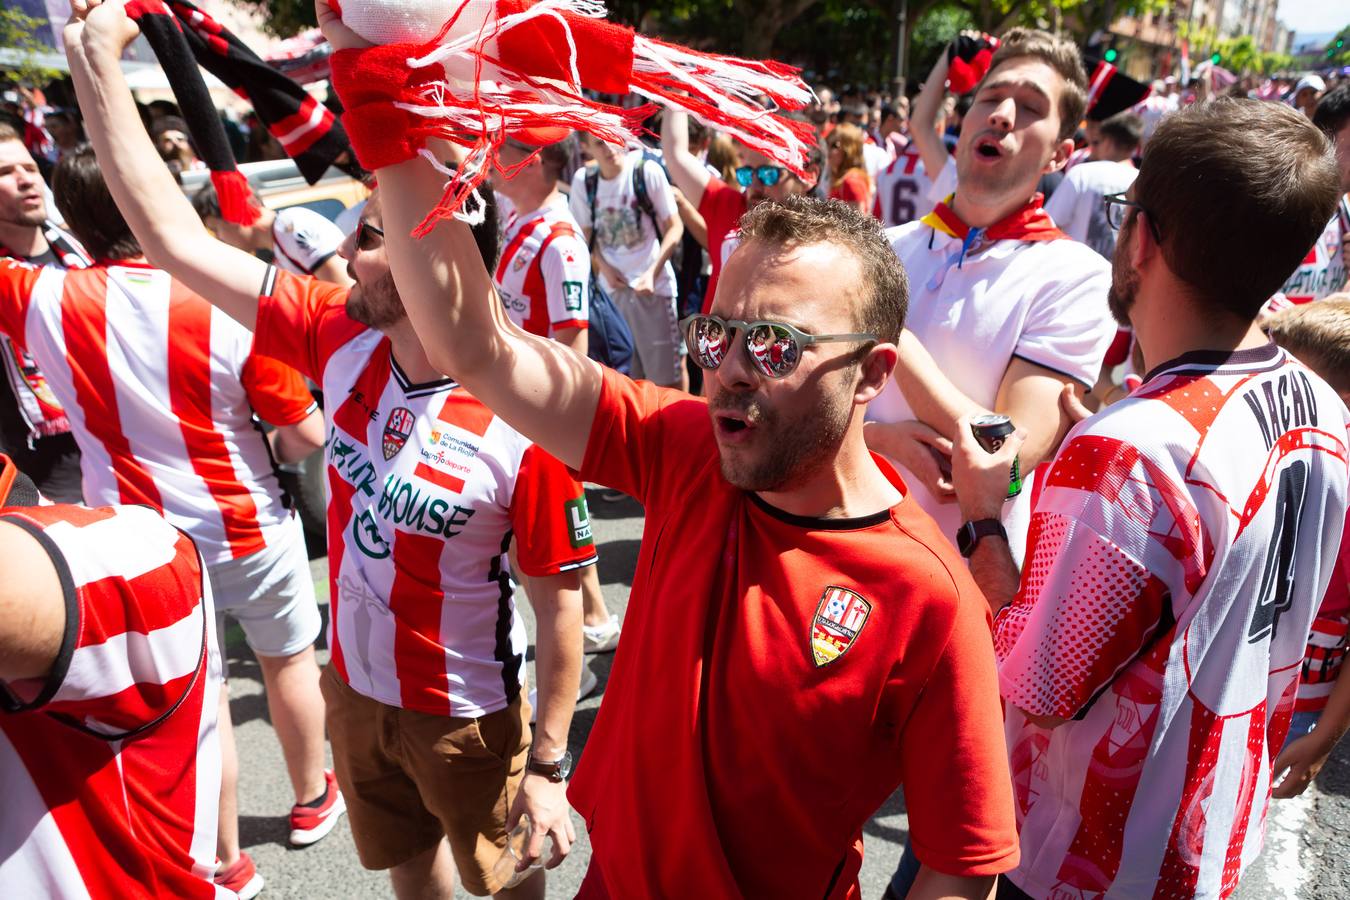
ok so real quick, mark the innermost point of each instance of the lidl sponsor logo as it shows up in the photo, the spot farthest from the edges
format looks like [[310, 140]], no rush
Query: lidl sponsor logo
[[572, 295], [578, 523]]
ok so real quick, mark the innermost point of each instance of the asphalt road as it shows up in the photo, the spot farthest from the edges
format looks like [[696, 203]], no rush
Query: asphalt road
[[1305, 855]]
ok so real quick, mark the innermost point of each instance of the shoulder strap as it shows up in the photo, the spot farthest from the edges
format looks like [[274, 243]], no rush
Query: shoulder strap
[[644, 200], [592, 188]]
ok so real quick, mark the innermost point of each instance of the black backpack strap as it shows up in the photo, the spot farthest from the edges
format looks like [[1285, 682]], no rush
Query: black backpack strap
[[592, 188], [644, 200]]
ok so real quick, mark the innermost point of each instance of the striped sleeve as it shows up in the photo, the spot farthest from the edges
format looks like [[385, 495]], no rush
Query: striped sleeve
[[276, 391], [135, 641], [548, 512], [302, 321], [17, 280]]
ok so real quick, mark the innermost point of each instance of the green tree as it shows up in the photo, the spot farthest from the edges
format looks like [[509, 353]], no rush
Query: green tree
[[18, 33]]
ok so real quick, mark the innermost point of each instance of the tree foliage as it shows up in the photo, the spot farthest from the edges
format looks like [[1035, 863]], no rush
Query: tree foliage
[[836, 41], [19, 32]]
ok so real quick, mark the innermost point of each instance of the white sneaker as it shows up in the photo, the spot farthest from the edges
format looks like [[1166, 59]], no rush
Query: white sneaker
[[588, 685], [601, 638]]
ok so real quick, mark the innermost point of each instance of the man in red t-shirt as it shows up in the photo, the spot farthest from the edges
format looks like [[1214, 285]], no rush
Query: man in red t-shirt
[[808, 640], [722, 204]]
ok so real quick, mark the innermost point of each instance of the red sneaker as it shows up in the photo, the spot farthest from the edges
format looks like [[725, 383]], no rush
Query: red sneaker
[[311, 821], [242, 878]]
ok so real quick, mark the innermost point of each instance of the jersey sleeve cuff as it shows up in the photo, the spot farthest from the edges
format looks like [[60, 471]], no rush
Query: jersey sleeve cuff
[[557, 568], [9, 701]]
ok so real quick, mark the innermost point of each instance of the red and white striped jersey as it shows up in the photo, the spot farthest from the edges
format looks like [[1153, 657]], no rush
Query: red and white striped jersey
[[426, 488], [544, 272], [160, 388], [110, 766], [903, 190], [1179, 549], [1327, 642]]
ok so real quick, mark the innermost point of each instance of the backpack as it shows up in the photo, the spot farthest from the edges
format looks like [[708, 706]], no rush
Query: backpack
[[609, 341]]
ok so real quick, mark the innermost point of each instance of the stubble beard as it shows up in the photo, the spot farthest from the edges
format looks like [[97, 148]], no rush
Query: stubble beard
[[377, 304], [1124, 286], [794, 449]]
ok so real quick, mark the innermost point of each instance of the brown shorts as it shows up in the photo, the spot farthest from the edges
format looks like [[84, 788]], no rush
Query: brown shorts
[[410, 778]]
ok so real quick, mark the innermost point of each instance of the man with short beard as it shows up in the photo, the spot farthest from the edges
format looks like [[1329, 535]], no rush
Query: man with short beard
[[34, 429], [1183, 539], [801, 640], [424, 694]]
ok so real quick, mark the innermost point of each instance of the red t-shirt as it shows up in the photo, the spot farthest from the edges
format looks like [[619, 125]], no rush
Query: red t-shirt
[[721, 208], [793, 673], [854, 188]]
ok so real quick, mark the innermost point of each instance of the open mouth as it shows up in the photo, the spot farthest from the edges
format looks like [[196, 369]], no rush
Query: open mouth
[[988, 148], [730, 424]]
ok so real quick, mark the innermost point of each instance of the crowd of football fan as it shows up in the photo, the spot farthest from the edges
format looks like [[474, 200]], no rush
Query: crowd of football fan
[[1092, 687]]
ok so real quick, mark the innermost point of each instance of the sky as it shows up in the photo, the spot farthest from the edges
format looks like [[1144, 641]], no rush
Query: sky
[[1315, 16]]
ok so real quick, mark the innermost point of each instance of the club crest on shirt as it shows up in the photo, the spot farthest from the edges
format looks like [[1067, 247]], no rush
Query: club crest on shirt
[[397, 429], [520, 262], [840, 617]]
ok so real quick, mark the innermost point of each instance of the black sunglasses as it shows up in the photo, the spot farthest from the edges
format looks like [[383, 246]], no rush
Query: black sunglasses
[[775, 348], [1117, 206], [765, 175], [364, 241]]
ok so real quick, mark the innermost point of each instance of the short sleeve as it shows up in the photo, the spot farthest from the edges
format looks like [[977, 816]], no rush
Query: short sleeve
[[304, 239], [955, 757], [636, 426], [17, 281], [277, 392], [577, 202], [136, 636], [566, 267], [302, 321], [1094, 591], [549, 516], [1069, 327], [659, 191]]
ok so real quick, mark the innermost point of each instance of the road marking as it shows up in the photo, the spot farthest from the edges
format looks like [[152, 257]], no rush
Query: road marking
[[1285, 875]]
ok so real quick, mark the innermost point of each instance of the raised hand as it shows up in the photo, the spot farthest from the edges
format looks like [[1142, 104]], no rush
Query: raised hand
[[99, 24], [338, 35]]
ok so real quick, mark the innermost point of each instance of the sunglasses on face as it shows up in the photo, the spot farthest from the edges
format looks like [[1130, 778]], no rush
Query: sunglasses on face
[[775, 348], [366, 235], [765, 175]]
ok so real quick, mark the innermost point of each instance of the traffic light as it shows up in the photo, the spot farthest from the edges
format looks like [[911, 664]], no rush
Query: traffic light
[[1215, 58], [1110, 55]]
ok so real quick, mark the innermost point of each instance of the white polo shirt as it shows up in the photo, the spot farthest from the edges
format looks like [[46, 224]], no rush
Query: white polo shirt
[[1042, 299]]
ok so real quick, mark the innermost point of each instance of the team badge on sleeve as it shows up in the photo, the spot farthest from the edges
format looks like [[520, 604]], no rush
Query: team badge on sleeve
[[840, 617], [397, 429]]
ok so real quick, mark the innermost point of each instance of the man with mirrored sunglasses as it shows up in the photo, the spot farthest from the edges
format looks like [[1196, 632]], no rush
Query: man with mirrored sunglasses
[[721, 204], [800, 639]]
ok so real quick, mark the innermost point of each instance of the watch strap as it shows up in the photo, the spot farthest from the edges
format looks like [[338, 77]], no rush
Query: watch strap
[[970, 534]]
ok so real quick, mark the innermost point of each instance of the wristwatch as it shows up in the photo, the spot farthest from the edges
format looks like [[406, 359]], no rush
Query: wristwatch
[[555, 771], [969, 535]]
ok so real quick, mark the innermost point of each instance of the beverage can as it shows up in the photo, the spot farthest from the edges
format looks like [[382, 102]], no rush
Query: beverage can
[[990, 432]]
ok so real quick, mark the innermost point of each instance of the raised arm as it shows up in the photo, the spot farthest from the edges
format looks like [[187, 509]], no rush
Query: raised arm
[[546, 391], [160, 216], [925, 122], [686, 171]]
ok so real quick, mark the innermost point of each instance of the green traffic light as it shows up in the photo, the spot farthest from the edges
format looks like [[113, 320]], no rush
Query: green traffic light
[[1215, 59], [1110, 55]]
